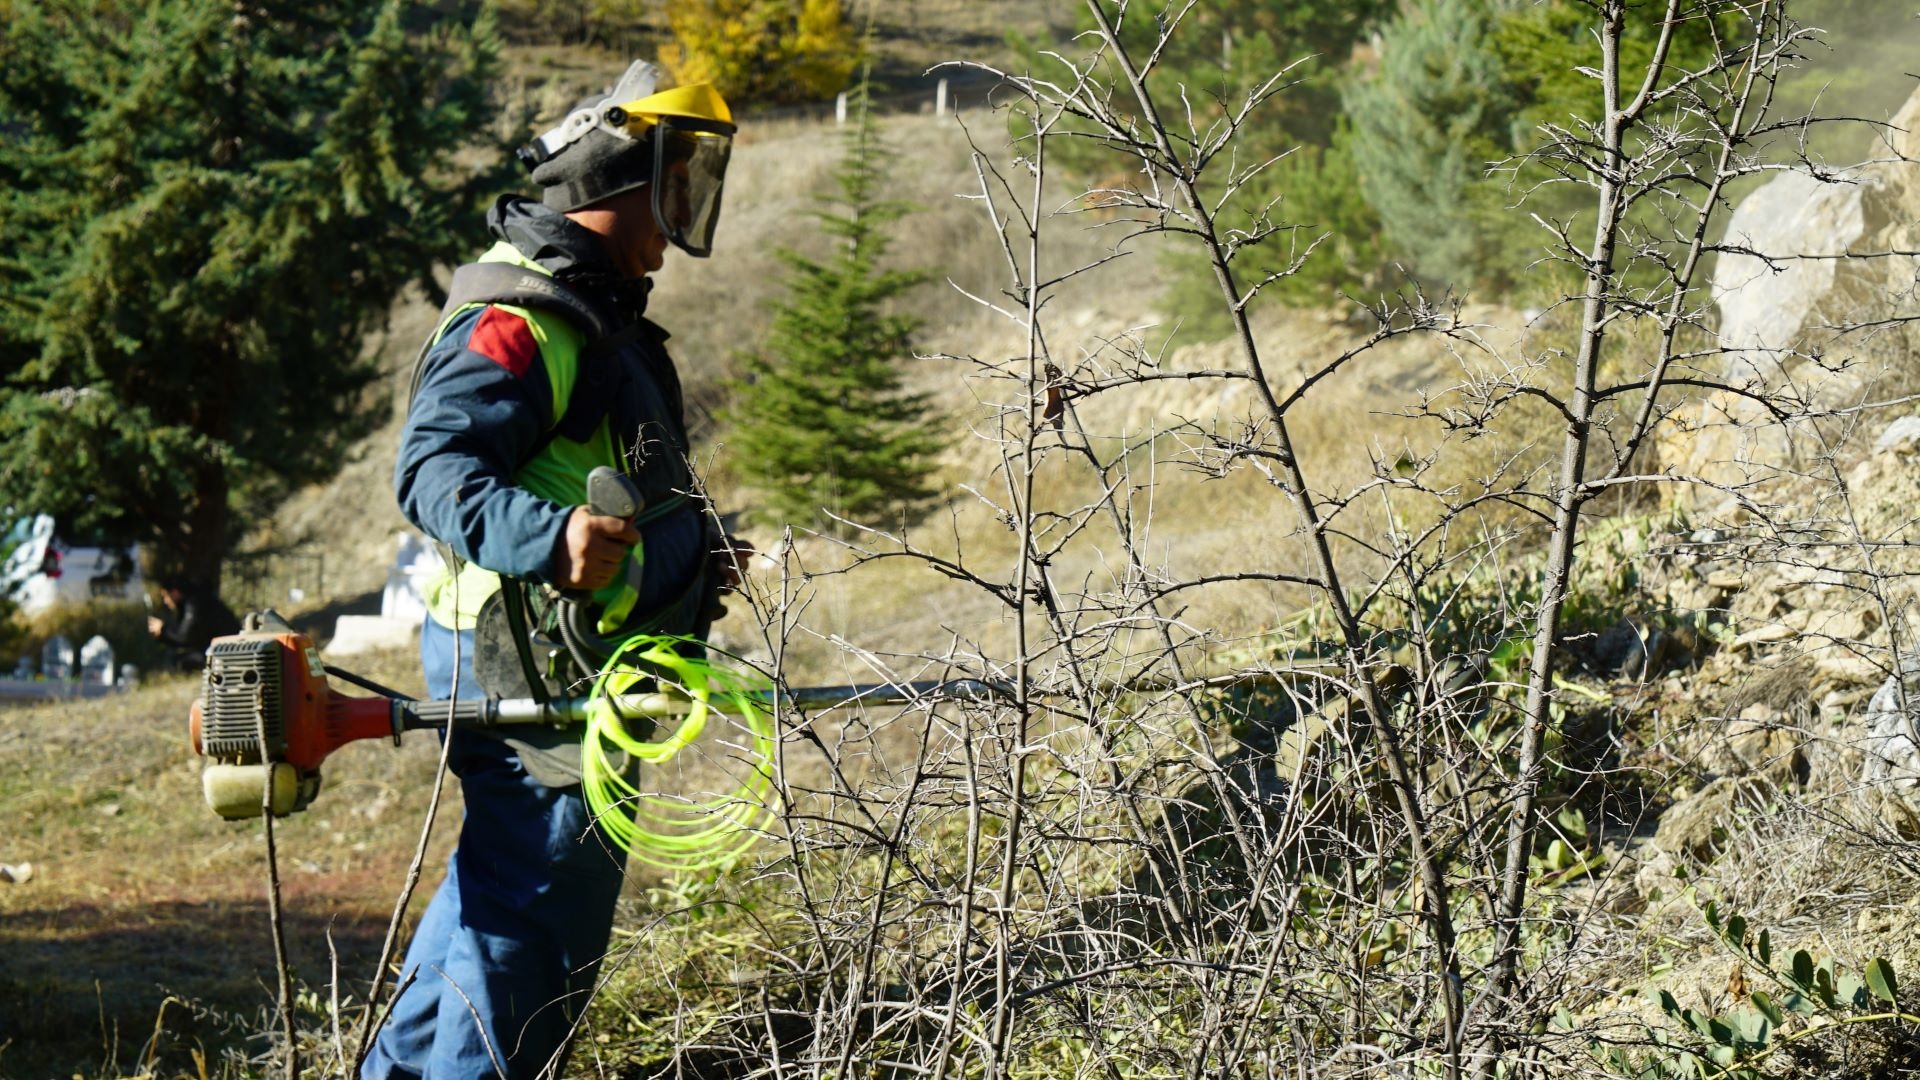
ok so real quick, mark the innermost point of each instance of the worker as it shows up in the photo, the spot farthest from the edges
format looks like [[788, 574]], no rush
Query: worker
[[194, 616], [515, 402]]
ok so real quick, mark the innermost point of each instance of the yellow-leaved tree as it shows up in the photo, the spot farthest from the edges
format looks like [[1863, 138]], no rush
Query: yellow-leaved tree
[[763, 51]]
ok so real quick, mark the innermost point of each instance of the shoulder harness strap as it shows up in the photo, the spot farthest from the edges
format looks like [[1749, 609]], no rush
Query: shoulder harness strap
[[517, 286]]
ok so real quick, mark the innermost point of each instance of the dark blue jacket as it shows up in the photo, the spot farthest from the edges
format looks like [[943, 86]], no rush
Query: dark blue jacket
[[485, 407]]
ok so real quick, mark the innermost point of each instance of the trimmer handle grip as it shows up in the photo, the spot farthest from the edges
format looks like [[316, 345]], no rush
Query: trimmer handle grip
[[612, 493]]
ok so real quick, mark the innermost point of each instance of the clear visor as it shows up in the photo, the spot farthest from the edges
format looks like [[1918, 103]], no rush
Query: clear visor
[[689, 169]]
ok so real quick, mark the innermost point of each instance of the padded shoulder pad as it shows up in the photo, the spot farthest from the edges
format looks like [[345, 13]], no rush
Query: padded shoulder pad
[[504, 283]]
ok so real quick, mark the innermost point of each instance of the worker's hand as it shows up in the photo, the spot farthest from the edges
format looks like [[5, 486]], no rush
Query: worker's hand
[[154, 626], [730, 558], [588, 554]]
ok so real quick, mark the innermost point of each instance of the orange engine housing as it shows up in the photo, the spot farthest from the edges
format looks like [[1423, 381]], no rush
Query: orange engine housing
[[264, 697]]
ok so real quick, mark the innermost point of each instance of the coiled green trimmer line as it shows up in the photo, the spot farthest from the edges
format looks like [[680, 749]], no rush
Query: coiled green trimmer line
[[677, 834]]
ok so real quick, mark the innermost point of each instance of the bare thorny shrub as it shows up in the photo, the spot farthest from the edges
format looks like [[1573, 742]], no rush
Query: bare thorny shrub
[[1153, 854], [1148, 852]]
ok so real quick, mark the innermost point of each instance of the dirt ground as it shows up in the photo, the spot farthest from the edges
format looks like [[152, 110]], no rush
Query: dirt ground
[[142, 936]]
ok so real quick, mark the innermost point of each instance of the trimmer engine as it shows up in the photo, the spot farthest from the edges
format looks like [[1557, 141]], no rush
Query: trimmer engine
[[266, 716], [266, 713]]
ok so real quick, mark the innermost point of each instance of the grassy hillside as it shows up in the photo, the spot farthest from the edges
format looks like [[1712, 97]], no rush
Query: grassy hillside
[[1134, 866], [720, 307], [138, 888]]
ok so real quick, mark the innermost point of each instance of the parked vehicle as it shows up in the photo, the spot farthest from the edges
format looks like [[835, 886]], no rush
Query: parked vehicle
[[48, 565]]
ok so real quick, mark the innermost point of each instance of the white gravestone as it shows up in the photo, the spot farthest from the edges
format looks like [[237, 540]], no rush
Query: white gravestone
[[96, 661], [56, 659], [402, 604]]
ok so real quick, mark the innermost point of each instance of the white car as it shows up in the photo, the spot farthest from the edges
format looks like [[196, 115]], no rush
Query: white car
[[43, 569]]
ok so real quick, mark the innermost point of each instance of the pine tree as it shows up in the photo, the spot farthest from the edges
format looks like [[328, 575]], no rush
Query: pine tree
[[1465, 84], [1219, 51], [821, 424], [1425, 128], [207, 207]]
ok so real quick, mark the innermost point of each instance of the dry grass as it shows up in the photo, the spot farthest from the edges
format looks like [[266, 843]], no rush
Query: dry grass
[[1193, 523], [140, 893], [139, 887]]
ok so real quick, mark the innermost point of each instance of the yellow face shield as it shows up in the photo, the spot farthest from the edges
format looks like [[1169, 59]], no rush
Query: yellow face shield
[[692, 134]]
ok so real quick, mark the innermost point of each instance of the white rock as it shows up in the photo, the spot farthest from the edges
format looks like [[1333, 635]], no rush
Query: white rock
[[1764, 302], [1892, 757], [1848, 668], [1901, 437], [1761, 635], [365, 633]]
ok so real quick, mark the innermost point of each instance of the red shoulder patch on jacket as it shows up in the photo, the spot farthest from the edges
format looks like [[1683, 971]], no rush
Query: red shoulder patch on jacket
[[505, 339]]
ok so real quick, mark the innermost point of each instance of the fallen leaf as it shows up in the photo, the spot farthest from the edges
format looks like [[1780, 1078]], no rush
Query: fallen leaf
[[1054, 411]]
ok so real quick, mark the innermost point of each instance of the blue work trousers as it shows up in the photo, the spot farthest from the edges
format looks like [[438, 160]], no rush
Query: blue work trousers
[[504, 960]]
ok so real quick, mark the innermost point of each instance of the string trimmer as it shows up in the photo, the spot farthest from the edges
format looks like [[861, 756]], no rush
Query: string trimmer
[[268, 717], [267, 689]]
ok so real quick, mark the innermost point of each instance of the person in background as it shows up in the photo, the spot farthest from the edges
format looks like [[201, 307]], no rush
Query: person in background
[[194, 616]]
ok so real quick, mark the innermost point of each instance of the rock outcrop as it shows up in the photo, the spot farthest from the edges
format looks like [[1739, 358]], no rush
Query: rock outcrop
[[1790, 302]]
